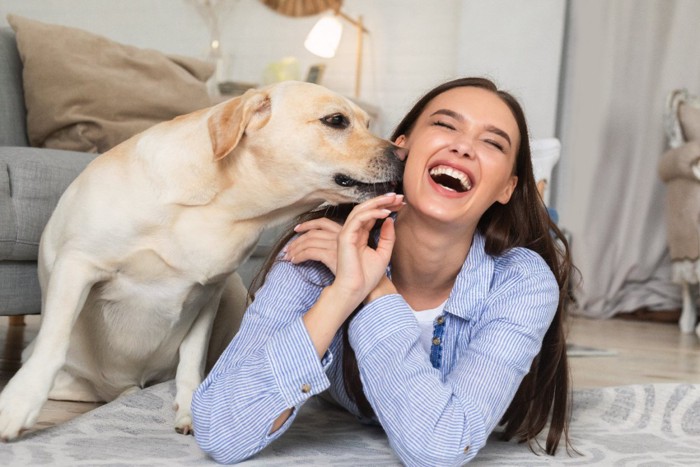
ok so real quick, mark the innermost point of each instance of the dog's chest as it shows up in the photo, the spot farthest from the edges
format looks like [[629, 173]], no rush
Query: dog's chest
[[167, 277], [143, 313]]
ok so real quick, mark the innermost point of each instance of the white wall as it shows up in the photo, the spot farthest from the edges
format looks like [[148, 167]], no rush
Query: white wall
[[412, 45], [519, 44]]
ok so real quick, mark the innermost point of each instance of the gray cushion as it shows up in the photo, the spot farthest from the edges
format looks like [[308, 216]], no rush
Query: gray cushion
[[13, 116], [19, 288], [31, 182]]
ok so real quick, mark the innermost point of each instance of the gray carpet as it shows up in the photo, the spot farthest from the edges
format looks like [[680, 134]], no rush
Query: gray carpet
[[650, 425]]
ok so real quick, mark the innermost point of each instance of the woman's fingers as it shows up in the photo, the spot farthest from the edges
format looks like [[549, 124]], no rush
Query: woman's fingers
[[373, 210], [387, 237], [359, 266], [318, 239], [311, 238], [323, 255], [361, 223], [390, 201], [322, 223], [323, 250], [318, 242]]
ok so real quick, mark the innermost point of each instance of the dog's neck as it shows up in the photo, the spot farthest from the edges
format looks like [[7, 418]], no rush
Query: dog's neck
[[253, 195]]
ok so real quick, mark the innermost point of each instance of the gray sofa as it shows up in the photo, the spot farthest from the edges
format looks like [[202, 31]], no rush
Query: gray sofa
[[31, 182]]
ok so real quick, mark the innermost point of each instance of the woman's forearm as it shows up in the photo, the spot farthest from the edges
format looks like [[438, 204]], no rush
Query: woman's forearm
[[245, 401], [328, 314], [385, 287], [281, 419]]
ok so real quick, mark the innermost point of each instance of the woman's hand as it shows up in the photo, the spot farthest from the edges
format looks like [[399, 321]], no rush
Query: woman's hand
[[318, 241], [359, 267]]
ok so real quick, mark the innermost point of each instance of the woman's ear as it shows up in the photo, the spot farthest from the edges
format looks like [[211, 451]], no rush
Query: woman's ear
[[400, 141], [508, 190]]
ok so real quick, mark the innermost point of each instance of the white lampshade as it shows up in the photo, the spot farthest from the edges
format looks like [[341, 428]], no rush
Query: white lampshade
[[324, 37]]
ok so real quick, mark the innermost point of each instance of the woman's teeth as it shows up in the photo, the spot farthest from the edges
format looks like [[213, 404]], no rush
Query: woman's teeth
[[451, 178]]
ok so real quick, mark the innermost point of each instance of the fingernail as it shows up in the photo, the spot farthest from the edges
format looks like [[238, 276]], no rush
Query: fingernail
[[296, 227], [391, 193]]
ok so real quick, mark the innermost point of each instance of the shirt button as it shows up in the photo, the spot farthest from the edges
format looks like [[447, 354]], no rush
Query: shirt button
[[436, 341], [306, 388], [441, 319], [466, 450]]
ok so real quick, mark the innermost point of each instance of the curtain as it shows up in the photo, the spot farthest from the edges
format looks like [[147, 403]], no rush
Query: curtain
[[621, 59]]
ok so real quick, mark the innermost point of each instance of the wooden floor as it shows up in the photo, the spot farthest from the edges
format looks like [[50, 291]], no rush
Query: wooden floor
[[645, 352]]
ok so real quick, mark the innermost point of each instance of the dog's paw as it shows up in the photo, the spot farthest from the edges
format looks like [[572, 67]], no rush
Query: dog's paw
[[183, 411], [183, 424], [19, 409]]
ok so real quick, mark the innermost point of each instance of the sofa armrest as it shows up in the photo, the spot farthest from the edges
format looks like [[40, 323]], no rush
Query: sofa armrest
[[31, 182]]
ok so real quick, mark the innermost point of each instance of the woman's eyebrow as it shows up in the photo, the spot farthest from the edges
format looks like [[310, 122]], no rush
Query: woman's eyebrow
[[449, 113], [459, 117], [499, 132]]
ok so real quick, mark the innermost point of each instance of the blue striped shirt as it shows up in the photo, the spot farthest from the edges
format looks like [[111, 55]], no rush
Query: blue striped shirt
[[436, 409]]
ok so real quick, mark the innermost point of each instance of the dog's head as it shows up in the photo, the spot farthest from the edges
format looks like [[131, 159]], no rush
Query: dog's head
[[307, 142]]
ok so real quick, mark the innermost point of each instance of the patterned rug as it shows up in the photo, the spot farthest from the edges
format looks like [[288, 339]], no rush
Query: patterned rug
[[650, 425]]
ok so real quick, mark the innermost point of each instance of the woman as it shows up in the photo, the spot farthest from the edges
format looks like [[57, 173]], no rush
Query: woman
[[454, 320]]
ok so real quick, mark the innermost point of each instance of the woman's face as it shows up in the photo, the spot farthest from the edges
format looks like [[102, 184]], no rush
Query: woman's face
[[461, 154]]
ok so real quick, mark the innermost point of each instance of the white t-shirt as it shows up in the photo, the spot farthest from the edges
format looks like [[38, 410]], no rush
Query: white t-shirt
[[426, 319]]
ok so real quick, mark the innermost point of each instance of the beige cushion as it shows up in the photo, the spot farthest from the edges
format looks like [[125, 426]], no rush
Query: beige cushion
[[84, 92], [689, 114]]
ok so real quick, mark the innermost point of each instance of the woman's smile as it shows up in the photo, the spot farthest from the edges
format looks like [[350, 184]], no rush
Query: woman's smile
[[450, 180]]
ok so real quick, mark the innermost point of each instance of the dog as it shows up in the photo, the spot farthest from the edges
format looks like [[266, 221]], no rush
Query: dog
[[138, 260]]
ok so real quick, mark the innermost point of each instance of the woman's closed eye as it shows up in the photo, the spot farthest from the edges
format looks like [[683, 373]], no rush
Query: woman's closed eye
[[443, 124], [495, 144], [501, 147]]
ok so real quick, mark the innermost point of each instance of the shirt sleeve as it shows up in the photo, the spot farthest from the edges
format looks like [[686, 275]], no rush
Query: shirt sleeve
[[434, 421], [271, 365]]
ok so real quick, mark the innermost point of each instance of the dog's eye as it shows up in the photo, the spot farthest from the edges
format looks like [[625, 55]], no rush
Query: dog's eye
[[339, 121]]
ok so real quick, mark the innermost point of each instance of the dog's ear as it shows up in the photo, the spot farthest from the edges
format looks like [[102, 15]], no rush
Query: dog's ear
[[230, 121]]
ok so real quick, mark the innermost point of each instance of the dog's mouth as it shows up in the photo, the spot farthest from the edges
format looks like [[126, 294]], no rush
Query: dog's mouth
[[389, 167], [451, 178], [376, 188]]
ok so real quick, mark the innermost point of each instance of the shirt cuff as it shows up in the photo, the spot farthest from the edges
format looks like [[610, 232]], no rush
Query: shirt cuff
[[295, 365], [377, 321]]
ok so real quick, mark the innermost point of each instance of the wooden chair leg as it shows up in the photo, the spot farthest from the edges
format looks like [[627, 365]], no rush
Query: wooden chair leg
[[17, 320]]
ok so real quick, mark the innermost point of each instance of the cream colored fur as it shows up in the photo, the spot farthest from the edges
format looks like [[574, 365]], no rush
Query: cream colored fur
[[138, 260]]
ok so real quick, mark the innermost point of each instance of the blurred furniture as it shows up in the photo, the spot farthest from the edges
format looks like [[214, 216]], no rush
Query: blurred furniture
[[679, 168], [324, 37], [31, 181], [545, 155]]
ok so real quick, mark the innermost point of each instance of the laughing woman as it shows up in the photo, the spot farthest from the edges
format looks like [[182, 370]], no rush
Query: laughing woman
[[441, 324]]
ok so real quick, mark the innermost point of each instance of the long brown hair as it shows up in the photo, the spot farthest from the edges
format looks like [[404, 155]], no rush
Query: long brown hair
[[544, 394]]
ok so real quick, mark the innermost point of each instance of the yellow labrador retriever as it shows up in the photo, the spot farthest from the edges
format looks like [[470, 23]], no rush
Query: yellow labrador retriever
[[139, 257]]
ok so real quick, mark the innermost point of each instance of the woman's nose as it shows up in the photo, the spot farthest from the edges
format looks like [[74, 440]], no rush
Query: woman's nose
[[462, 146]]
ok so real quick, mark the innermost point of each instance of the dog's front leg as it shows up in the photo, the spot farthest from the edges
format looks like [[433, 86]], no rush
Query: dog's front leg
[[25, 394], [190, 369]]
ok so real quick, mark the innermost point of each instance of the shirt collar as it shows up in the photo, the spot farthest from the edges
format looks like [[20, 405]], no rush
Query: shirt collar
[[473, 281]]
